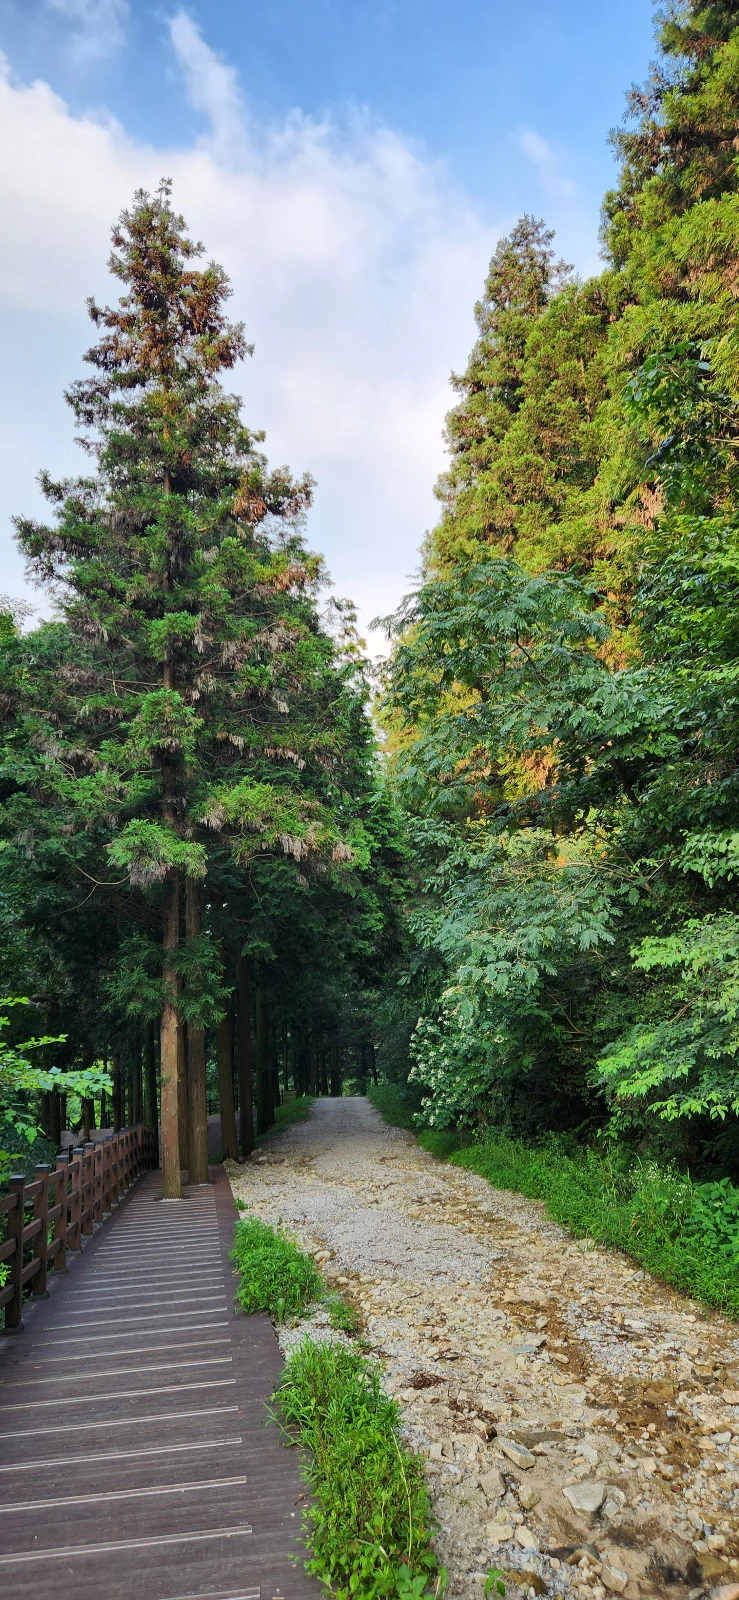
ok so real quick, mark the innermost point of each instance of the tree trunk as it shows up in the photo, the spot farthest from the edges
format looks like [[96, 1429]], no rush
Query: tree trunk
[[136, 1108], [335, 1073], [197, 1101], [151, 1108], [224, 1049], [285, 1063], [265, 1113], [183, 1119], [171, 1042], [246, 1062], [169, 1035], [314, 1086], [324, 1069]]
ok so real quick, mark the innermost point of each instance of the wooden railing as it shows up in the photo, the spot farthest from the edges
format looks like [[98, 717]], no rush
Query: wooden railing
[[62, 1205]]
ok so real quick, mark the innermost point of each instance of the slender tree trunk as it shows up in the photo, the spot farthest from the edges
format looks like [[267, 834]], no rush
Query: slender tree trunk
[[151, 1108], [265, 1114], [197, 1100], [246, 1061], [285, 1063], [335, 1073], [324, 1068], [170, 1030], [115, 1071], [224, 1048], [183, 1119], [314, 1086], [136, 1088], [373, 1061], [170, 1035]]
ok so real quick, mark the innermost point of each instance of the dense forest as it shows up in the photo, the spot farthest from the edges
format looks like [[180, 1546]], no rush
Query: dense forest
[[562, 696], [234, 867]]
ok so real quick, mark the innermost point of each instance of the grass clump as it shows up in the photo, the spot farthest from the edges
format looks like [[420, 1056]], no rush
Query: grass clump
[[342, 1316], [369, 1525], [297, 1109], [396, 1103], [275, 1276], [687, 1234]]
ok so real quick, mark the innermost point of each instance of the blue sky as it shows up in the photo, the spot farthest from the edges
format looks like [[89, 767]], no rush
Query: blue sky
[[352, 163]]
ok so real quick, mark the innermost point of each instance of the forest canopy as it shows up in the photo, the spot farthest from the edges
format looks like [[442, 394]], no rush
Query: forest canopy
[[562, 694]]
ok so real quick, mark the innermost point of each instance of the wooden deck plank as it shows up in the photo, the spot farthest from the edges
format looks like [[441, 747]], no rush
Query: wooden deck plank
[[134, 1457]]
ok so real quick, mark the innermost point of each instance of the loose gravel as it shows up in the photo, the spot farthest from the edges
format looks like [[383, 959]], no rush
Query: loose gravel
[[579, 1421]]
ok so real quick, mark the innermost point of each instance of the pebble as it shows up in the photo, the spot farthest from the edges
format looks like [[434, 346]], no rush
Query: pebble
[[587, 1497], [455, 1284]]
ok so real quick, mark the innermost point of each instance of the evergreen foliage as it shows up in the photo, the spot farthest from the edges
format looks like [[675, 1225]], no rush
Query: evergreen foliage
[[561, 697]]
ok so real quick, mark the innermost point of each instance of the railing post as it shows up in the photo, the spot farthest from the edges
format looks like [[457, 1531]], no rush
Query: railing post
[[87, 1177], [97, 1183], [106, 1200], [75, 1199], [61, 1176], [13, 1322], [41, 1211]]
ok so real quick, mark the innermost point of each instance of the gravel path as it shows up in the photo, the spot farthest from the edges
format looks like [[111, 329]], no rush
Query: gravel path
[[579, 1421]]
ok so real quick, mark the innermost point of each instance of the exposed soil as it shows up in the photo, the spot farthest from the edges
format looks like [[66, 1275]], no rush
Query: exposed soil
[[580, 1422]]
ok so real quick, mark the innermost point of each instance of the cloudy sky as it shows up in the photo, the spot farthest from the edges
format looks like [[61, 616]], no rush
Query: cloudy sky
[[352, 163]]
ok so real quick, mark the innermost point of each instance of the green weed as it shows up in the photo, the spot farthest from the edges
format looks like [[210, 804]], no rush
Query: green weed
[[686, 1234], [343, 1316], [369, 1524], [275, 1275]]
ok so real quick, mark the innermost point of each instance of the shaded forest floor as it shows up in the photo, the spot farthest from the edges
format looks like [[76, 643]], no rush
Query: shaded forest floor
[[579, 1421]]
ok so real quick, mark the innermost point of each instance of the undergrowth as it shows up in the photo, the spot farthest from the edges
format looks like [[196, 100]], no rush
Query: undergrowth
[[680, 1231], [368, 1526], [369, 1522], [683, 1232], [275, 1276], [297, 1109]]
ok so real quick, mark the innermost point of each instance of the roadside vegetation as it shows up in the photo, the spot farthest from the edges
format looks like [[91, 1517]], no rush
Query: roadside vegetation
[[368, 1526], [683, 1232]]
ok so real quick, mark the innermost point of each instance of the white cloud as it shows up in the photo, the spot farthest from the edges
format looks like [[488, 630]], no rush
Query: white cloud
[[355, 265], [211, 85], [547, 163], [96, 27]]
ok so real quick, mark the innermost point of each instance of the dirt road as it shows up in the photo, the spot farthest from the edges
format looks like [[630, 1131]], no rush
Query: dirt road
[[579, 1421]]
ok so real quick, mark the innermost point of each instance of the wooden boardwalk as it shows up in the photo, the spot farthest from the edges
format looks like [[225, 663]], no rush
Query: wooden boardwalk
[[134, 1460]]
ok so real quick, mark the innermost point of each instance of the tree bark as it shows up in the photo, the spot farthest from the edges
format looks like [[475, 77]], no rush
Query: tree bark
[[197, 1100], [224, 1049], [246, 1061], [170, 1028], [151, 1108], [136, 1095], [265, 1113], [183, 1118], [170, 1036]]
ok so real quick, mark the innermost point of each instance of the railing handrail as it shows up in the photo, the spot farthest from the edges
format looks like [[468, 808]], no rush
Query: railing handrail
[[88, 1182]]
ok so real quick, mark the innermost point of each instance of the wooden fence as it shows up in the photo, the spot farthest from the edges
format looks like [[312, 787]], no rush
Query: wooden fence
[[62, 1205]]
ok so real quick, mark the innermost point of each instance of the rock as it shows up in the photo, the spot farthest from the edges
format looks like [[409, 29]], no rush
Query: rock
[[731, 1396], [716, 1541], [499, 1532], [435, 1451], [518, 1454], [613, 1505], [526, 1539], [725, 1591], [614, 1577], [492, 1485], [586, 1497], [527, 1497], [534, 1580]]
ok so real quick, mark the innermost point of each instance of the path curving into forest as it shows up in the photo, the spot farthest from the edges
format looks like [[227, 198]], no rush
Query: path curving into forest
[[577, 1418]]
